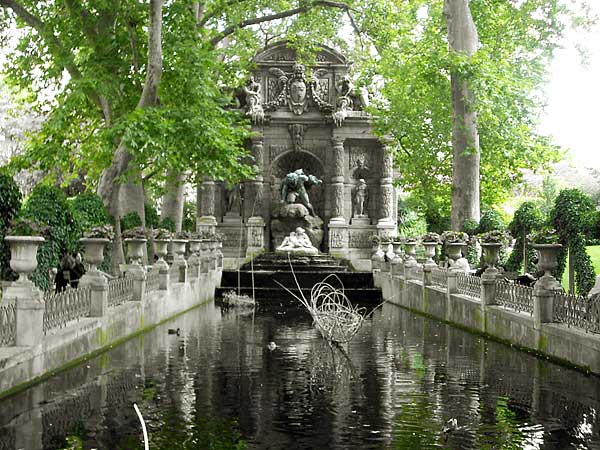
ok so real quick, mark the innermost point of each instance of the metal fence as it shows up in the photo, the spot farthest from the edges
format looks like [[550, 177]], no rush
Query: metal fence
[[468, 285], [577, 311], [514, 296], [152, 282], [8, 324], [439, 277], [414, 272], [66, 306], [120, 290]]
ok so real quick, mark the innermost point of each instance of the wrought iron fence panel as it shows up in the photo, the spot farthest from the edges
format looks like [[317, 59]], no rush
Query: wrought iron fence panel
[[120, 290], [514, 296], [577, 311], [468, 285], [439, 277], [66, 306], [8, 324], [152, 281]]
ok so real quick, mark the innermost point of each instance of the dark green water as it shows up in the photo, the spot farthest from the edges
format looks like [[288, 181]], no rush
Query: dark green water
[[217, 386]]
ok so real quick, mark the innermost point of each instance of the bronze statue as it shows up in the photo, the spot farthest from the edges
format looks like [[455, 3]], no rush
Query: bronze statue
[[294, 189]]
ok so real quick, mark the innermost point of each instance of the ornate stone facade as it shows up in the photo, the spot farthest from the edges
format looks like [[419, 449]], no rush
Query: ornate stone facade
[[315, 123]]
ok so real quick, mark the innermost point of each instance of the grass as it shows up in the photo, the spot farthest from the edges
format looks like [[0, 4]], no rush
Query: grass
[[594, 252]]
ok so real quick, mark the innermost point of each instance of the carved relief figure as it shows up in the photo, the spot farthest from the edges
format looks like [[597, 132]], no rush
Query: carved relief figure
[[361, 194], [253, 101], [297, 131], [294, 188], [234, 198], [344, 102], [297, 242]]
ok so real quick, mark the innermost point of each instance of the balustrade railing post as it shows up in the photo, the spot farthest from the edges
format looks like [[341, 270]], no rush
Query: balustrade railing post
[[139, 276], [427, 269], [488, 287], [164, 278], [543, 301], [452, 282], [29, 313], [99, 297]]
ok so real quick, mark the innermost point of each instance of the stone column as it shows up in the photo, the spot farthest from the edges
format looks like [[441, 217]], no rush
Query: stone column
[[256, 236], [386, 225], [207, 221], [338, 226]]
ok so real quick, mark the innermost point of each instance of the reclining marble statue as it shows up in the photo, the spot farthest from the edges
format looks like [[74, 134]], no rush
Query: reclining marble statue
[[297, 242], [294, 189]]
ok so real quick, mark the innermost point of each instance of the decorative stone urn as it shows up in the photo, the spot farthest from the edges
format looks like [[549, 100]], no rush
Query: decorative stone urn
[[179, 248], [491, 251], [93, 251], [547, 257], [397, 248], [161, 249], [195, 245], [454, 251], [23, 254], [430, 252], [410, 251], [135, 249], [204, 255]]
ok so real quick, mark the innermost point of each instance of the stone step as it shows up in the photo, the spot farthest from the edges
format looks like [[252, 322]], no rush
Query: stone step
[[306, 279], [273, 298]]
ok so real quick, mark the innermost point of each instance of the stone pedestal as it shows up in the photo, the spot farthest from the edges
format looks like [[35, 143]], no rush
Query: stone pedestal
[[338, 239], [29, 310], [256, 236], [206, 224], [99, 286], [138, 273]]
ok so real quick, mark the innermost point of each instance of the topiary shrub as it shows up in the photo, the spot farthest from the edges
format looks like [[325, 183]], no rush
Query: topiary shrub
[[49, 205], [89, 211], [130, 220], [527, 218], [490, 220], [10, 203], [573, 218]]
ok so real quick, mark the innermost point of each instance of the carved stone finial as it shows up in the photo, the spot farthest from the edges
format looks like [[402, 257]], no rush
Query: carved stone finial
[[254, 107]]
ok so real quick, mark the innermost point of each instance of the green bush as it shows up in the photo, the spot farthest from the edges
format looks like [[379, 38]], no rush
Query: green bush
[[470, 226], [10, 203], [573, 217], [189, 216], [49, 205], [152, 218], [130, 220], [168, 224], [89, 211], [528, 218]]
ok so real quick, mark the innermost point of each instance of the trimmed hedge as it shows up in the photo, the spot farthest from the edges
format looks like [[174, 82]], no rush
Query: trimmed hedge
[[10, 203], [528, 217], [573, 217]]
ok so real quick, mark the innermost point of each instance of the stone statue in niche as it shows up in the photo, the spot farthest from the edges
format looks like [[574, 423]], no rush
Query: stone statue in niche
[[297, 131], [360, 197], [233, 199], [254, 107], [297, 242], [294, 189]]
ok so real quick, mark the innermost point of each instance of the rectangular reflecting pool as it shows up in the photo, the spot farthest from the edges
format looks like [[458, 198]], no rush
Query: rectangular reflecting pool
[[210, 380]]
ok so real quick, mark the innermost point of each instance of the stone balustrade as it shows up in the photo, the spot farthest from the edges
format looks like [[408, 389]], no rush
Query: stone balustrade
[[53, 329]]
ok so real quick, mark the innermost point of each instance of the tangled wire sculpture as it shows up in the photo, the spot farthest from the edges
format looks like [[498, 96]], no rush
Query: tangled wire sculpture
[[336, 318]]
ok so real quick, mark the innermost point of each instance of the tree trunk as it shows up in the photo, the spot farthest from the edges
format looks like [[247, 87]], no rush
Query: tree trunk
[[462, 38], [173, 199], [123, 197]]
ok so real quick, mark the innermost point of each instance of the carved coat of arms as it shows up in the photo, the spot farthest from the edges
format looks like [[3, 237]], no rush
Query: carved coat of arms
[[295, 90]]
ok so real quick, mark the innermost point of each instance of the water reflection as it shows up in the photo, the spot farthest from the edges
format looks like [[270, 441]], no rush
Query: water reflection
[[395, 386]]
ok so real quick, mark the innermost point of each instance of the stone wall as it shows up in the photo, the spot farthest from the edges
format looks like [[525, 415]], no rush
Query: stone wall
[[60, 347], [558, 341]]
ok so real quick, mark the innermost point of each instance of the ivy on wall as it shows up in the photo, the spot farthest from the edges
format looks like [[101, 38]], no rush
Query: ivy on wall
[[10, 203]]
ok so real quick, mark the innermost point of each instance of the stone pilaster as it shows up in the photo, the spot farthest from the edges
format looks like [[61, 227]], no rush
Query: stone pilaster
[[254, 191], [337, 182], [338, 239], [386, 191], [256, 236]]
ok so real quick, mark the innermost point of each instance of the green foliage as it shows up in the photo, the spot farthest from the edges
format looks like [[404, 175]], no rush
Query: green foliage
[[189, 216], [491, 220], [470, 226], [574, 216], [151, 215], [410, 221], [26, 227], [89, 211], [10, 203], [100, 232], [544, 235], [135, 233], [168, 224], [527, 218], [130, 220], [49, 205]]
